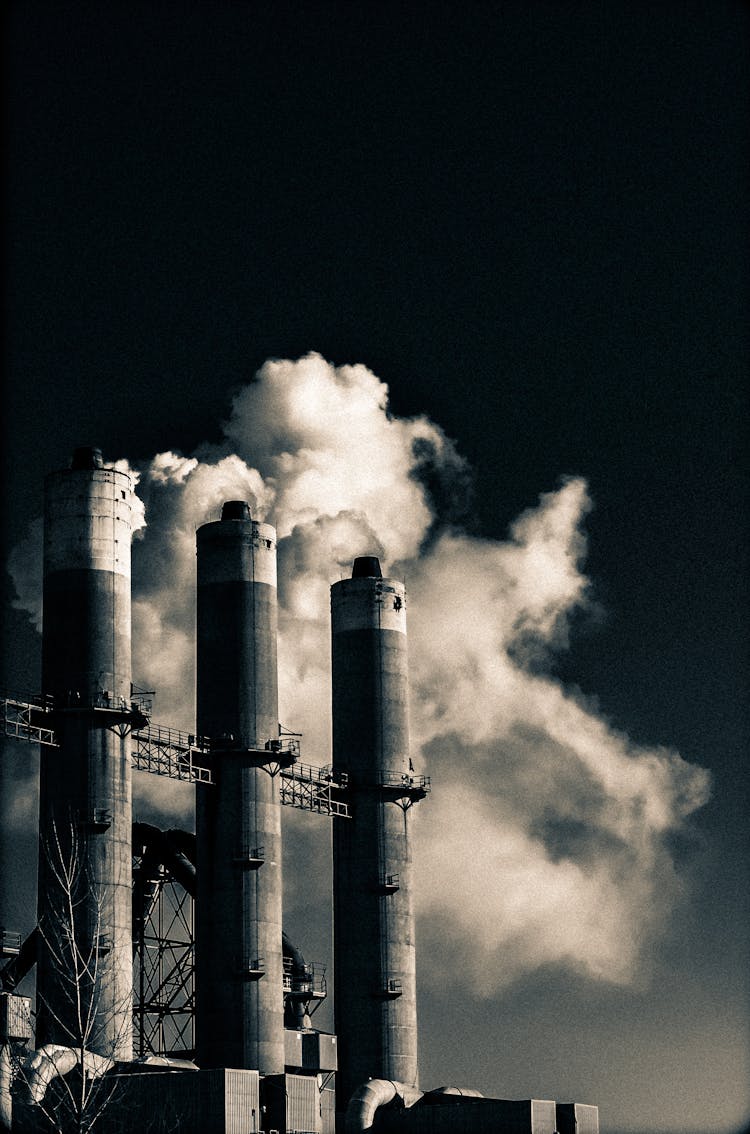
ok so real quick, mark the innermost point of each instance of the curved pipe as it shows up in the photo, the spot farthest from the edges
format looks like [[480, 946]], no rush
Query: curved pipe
[[42, 1066], [295, 1014], [145, 878], [52, 1060], [174, 849], [367, 1099], [95, 1065], [180, 847], [291, 950]]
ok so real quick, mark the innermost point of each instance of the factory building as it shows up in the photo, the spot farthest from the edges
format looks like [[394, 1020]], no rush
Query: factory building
[[244, 1055]]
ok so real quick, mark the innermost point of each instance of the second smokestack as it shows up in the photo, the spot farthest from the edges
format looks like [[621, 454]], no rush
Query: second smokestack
[[239, 966]]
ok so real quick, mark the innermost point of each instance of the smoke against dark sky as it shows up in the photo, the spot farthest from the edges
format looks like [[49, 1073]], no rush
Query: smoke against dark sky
[[542, 814], [530, 221]]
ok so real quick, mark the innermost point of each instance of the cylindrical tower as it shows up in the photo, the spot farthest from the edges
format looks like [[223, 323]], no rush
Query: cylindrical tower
[[84, 903], [375, 994], [238, 945]]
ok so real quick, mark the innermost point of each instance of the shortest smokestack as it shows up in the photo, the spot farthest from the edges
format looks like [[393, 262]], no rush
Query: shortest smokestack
[[87, 458], [236, 510], [367, 567]]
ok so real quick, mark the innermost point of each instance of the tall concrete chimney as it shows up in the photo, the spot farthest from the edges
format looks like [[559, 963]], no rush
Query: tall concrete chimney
[[238, 941], [85, 783], [374, 983]]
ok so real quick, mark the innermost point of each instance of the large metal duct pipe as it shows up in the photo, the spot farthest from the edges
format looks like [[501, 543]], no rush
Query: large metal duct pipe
[[42, 1066], [368, 1098], [374, 979], [84, 902], [239, 969]]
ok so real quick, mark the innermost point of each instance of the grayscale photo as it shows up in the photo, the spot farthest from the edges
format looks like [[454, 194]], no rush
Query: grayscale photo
[[375, 568]]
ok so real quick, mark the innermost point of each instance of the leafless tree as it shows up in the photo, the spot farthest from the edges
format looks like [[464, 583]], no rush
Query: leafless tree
[[66, 1087]]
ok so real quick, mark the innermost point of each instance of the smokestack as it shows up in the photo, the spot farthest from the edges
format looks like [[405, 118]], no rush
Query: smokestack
[[375, 993], [238, 947], [85, 783]]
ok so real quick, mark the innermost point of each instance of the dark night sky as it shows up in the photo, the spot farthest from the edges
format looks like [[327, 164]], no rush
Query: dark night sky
[[530, 220]]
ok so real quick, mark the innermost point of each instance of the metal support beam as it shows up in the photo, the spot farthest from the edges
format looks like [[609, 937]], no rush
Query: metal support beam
[[163, 966], [314, 789], [27, 720], [168, 752], [165, 751]]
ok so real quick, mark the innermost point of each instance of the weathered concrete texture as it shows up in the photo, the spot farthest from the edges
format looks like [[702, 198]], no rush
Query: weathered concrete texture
[[370, 696], [85, 784], [86, 641], [237, 675], [375, 993], [239, 965]]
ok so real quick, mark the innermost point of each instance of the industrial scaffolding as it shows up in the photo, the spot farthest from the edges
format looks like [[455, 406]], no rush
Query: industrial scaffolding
[[163, 970]]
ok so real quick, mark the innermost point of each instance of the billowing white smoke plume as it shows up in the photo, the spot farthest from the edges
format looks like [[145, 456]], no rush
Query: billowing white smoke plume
[[545, 839]]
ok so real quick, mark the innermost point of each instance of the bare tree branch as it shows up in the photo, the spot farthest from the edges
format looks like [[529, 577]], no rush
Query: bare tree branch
[[72, 1080]]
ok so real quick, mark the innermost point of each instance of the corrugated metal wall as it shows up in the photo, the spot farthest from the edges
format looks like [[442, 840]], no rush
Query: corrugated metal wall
[[302, 1104], [15, 1017], [328, 1110], [291, 1104], [216, 1101], [241, 1111]]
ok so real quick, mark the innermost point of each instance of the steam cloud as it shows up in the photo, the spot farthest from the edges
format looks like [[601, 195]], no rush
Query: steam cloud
[[542, 815]]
